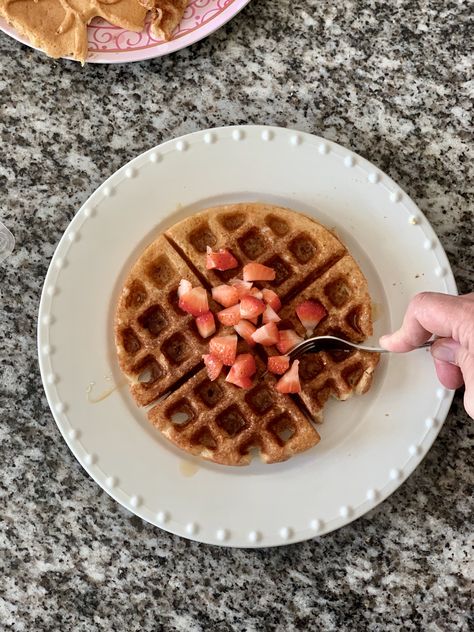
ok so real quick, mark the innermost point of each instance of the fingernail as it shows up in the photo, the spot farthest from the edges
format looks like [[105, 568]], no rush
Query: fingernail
[[445, 351], [384, 339]]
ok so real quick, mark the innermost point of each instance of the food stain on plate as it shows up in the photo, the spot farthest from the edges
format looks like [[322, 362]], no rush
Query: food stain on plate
[[188, 468], [377, 311], [103, 394]]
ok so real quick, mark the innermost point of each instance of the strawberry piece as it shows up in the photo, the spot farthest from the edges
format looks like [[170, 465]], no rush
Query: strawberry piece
[[184, 287], [287, 339], [250, 307], [270, 315], [256, 292], [245, 331], [224, 348], [310, 313], [266, 335], [290, 382], [254, 271], [213, 366], [238, 380], [226, 295], [195, 301], [244, 365], [222, 260], [278, 364], [254, 321], [206, 324], [243, 287], [271, 298], [229, 316]]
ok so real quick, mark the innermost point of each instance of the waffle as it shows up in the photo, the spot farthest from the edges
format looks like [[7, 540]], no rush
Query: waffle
[[294, 245], [222, 423], [157, 344], [343, 291], [165, 16], [160, 351], [59, 27]]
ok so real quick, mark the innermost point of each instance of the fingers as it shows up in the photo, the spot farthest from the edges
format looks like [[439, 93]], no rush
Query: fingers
[[449, 375], [455, 365], [431, 313]]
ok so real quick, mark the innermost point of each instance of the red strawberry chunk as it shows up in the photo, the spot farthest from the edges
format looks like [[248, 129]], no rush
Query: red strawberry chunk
[[195, 301], [251, 307], [287, 339], [226, 295], [213, 366], [290, 382], [266, 335], [310, 313], [229, 316], [278, 364], [242, 287], [270, 315], [206, 324], [256, 292], [221, 260], [244, 365], [245, 331], [184, 287], [224, 348], [254, 271], [271, 298], [238, 380]]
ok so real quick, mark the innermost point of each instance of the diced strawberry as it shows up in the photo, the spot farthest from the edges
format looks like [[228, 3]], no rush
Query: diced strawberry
[[266, 335], [271, 298], [250, 307], [244, 365], [184, 287], [213, 366], [278, 364], [221, 260], [229, 316], [195, 301], [226, 295], [245, 330], [270, 315], [238, 380], [310, 313], [242, 287], [256, 292], [224, 348], [206, 324], [287, 339], [254, 271], [290, 382]]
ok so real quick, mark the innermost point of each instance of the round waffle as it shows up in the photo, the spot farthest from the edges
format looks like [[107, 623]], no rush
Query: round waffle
[[160, 350]]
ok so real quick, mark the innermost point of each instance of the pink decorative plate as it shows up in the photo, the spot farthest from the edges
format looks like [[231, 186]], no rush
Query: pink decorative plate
[[112, 45]]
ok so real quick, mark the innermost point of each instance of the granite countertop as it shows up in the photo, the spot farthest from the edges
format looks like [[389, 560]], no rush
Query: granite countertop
[[390, 80]]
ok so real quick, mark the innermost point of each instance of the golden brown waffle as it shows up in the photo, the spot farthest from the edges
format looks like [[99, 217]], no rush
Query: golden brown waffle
[[219, 421], [222, 423], [343, 291], [165, 16], [59, 27], [294, 245], [157, 344]]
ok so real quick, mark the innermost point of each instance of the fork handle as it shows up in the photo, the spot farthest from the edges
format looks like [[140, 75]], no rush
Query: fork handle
[[425, 345]]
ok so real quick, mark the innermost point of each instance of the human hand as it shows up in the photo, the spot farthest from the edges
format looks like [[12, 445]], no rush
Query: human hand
[[452, 319]]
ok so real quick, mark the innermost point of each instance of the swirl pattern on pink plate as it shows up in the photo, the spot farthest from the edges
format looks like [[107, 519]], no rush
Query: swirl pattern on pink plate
[[105, 38]]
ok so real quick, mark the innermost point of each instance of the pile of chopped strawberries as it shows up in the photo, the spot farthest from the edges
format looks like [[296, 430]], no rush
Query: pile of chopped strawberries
[[253, 313]]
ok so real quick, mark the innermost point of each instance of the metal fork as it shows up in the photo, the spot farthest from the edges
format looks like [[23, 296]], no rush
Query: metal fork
[[323, 343]]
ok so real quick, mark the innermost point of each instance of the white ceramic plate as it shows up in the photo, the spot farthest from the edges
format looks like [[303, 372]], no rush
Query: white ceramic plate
[[369, 445]]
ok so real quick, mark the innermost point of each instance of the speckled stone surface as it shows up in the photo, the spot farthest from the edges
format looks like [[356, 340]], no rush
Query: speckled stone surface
[[391, 80]]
